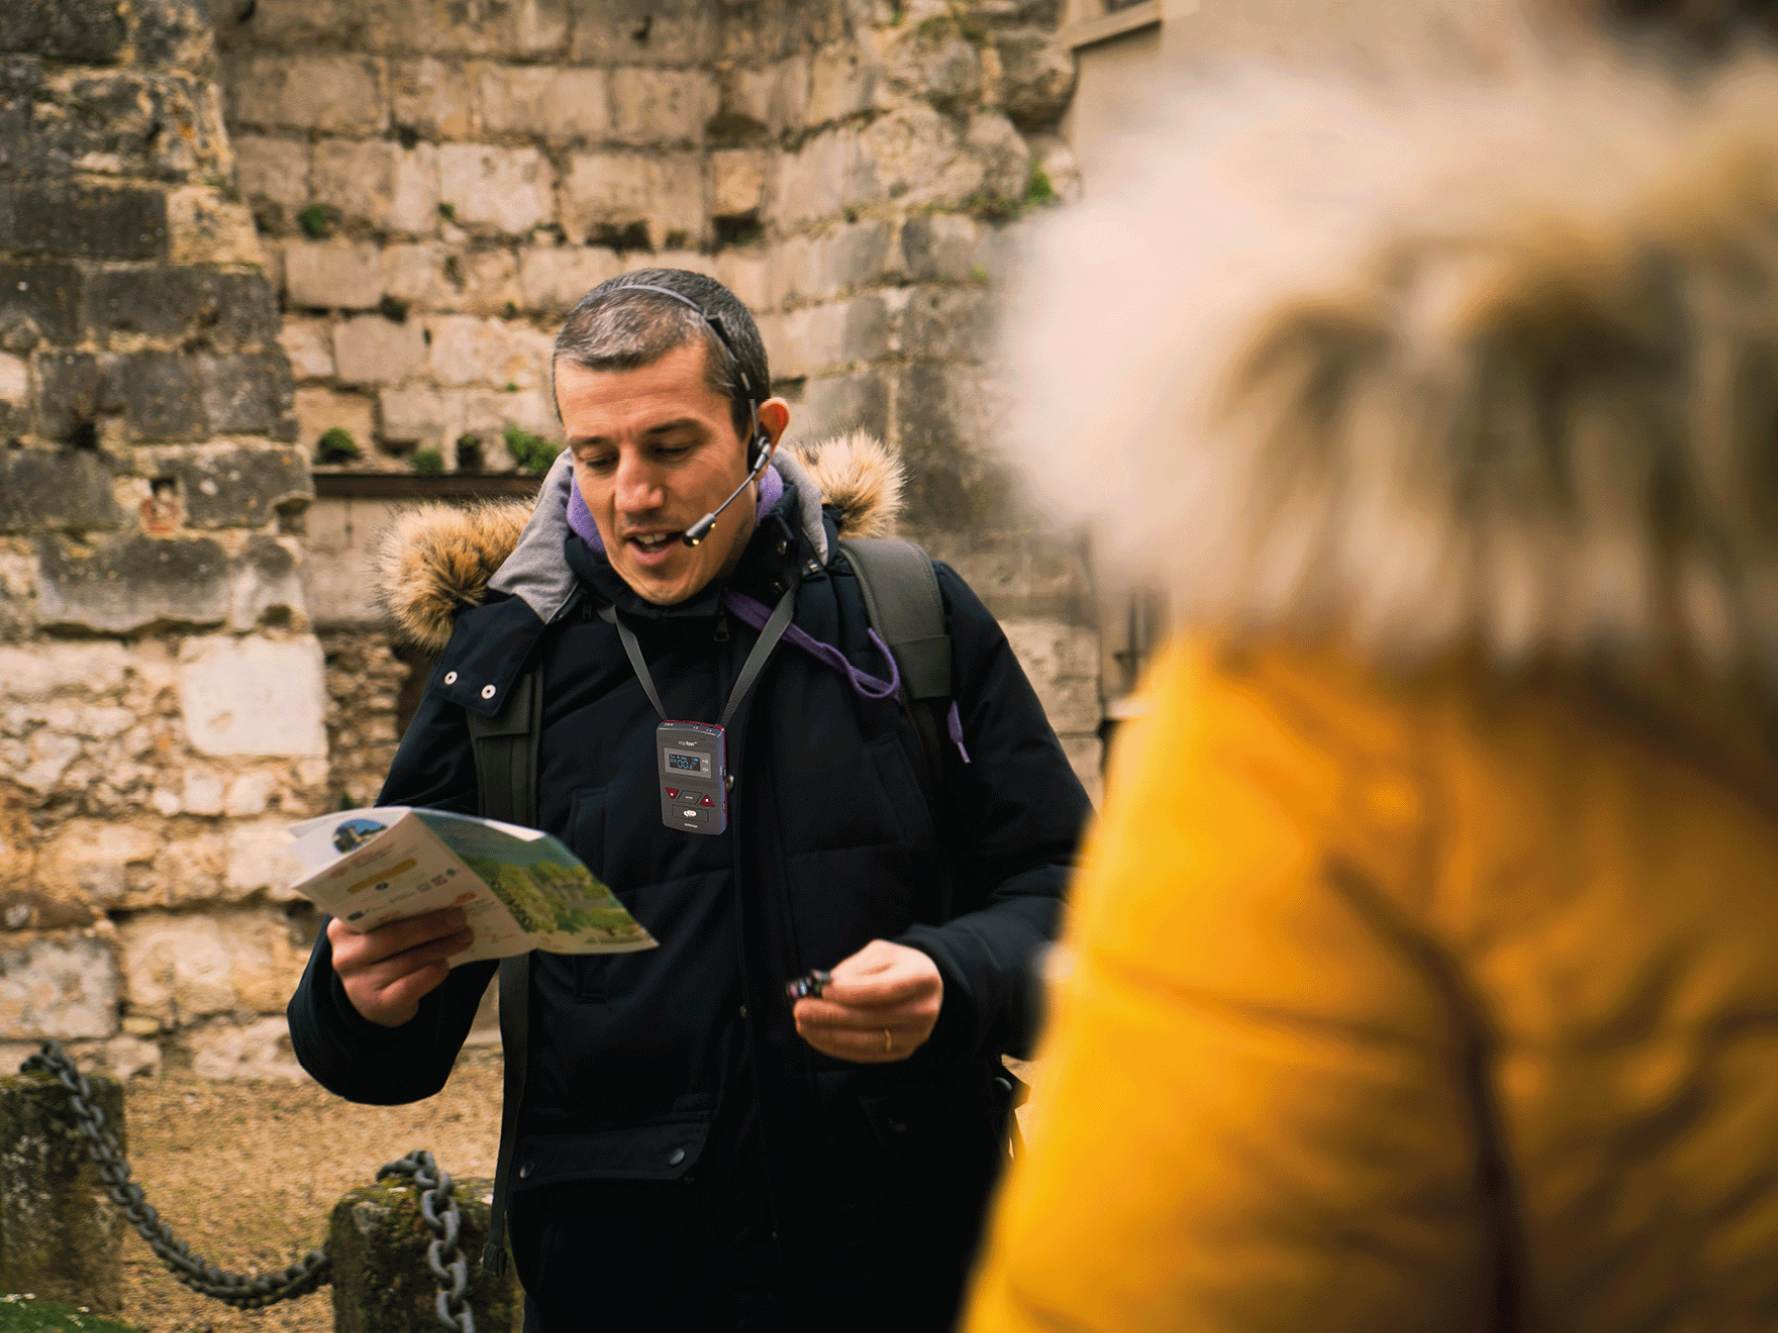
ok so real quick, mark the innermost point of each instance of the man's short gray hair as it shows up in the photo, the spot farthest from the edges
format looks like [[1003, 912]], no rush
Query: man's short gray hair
[[617, 327]]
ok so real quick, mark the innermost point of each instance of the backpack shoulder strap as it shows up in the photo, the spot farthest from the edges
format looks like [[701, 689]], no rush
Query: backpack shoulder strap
[[505, 750], [902, 599], [905, 607]]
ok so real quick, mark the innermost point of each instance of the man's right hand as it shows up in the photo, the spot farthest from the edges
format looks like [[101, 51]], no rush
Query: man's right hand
[[386, 972]]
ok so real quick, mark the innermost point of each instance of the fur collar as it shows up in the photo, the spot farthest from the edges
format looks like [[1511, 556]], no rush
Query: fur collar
[[438, 560], [1430, 369]]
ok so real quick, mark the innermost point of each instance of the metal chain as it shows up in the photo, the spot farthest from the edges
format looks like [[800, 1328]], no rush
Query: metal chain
[[244, 1292], [438, 1205]]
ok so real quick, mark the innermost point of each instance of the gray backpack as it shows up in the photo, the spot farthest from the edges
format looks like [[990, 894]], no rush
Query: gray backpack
[[902, 599]]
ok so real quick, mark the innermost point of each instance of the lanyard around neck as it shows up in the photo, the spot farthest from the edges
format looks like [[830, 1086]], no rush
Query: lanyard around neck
[[775, 625]]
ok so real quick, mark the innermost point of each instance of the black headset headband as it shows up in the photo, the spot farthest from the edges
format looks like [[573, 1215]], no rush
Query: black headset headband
[[714, 321]]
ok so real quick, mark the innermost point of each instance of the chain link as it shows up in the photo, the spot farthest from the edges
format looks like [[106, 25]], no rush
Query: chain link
[[244, 1292], [438, 1205]]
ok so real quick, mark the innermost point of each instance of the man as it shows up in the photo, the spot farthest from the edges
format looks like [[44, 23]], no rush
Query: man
[[695, 1152]]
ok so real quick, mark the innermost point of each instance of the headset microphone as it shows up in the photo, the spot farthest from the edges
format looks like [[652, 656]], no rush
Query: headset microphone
[[701, 529]]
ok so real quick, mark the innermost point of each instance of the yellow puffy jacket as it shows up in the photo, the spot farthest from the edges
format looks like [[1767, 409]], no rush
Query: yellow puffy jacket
[[1447, 1007]]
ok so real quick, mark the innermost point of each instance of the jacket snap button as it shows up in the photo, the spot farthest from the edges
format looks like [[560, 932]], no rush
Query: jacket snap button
[[450, 678], [487, 691], [743, 1011], [675, 1157], [524, 1170], [783, 546]]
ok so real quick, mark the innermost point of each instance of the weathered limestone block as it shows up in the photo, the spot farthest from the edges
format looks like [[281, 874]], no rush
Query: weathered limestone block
[[309, 345], [55, 668], [1037, 76], [87, 221], [544, 100], [432, 98], [391, 187], [247, 393], [663, 190], [329, 94], [259, 860], [919, 159], [378, 1241], [80, 32], [60, 489], [947, 323], [747, 272], [510, 189], [737, 181], [60, 1235], [226, 486], [342, 275], [650, 106], [265, 585], [252, 695], [204, 226], [525, 28], [466, 350], [125, 584], [320, 410], [426, 418], [821, 266], [645, 32], [842, 83], [251, 1050], [1004, 156], [39, 299], [553, 278], [228, 308], [829, 174], [273, 173], [851, 401], [130, 122], [373, 350], [95, 862], [178, 966], [939, 247], [836, 333], [1062, 661], [57, 986]]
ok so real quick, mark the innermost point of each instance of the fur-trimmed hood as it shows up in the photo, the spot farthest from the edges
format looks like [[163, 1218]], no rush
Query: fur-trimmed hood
[[1428, 368], [438, 560]]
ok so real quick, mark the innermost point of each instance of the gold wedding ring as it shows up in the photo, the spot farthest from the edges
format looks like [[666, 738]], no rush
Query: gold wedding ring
[[888, 1041]]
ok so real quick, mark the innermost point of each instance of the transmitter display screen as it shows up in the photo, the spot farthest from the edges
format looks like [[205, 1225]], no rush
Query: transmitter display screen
[[678, 761]]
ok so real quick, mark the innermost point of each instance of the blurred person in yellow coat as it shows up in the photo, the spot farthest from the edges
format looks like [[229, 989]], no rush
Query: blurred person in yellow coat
[[1424, 965]]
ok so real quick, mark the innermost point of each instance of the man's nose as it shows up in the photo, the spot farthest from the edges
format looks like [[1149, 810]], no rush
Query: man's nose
[[639, 489]]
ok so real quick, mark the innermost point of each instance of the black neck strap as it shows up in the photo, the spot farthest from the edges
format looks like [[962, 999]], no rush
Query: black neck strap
[[769, 634]]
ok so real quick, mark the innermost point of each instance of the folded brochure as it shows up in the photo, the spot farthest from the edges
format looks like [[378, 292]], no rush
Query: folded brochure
[[520, 888]]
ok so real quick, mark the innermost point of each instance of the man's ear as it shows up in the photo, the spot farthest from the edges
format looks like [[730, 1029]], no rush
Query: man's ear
[[774, 417]]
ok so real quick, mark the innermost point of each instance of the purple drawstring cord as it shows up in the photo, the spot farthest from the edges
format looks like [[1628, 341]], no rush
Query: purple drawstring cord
[[954, 725], [864, 685]]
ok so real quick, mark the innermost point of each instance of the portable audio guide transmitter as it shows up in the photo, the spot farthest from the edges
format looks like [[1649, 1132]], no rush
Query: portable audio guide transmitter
[[693, 776]]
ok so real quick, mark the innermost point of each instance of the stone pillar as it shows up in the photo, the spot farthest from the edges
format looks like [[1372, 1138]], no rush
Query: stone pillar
[[60, 1234], [381, 1281], [161, 697]]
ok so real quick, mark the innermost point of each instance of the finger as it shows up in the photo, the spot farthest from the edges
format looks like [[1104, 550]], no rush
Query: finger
[[395, 965], [864, 1047], [825, 1013], [892, 987], [398, 936], [413, 987]]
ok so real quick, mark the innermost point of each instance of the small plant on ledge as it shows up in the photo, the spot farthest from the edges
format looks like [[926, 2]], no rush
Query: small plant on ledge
[[336, 445], [530, 452], [427, 463]]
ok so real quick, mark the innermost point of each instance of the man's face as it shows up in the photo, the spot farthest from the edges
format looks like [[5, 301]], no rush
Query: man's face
[[654, 451]]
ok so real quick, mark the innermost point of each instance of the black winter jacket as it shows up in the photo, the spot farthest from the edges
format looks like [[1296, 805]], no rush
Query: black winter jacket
[[878, 1175]]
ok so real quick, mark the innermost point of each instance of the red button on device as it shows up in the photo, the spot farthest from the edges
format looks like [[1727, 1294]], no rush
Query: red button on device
[[672, 793], [707, 803]]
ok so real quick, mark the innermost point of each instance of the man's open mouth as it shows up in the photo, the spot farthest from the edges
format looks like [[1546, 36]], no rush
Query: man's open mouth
[[654, 543]]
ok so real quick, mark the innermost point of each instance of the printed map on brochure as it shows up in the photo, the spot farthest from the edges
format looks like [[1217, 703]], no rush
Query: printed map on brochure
[[521, 889]]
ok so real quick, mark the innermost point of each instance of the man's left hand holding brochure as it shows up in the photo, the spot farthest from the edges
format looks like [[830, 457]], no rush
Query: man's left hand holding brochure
[[520, 889]]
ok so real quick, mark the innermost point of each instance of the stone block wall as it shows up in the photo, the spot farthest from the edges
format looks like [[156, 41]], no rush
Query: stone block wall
[[161, 710]]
